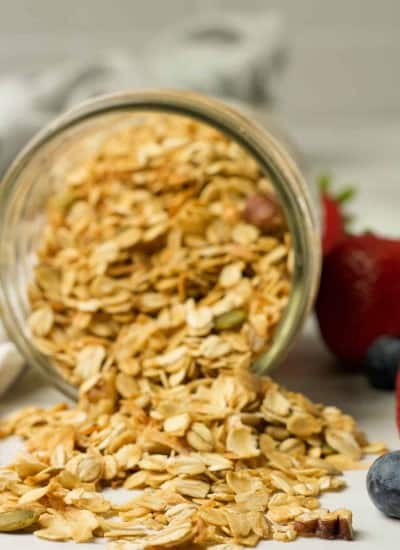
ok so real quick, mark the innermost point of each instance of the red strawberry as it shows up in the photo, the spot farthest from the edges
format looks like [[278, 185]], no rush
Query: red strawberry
[[398, 400], [359, 297], [334, 220]]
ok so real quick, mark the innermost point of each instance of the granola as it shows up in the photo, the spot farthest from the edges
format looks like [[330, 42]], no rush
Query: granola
[[214, 460], [165, 267], [158, 259]]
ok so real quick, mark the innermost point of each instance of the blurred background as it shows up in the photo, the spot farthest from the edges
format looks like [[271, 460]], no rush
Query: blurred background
[[328, 70]]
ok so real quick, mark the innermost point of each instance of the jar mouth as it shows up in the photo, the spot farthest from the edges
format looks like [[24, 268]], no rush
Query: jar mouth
[[272, 160]]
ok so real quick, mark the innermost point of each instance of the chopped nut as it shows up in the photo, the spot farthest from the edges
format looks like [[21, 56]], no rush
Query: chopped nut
[[263, 211], [345, 529], [327, 527], [306, 524]]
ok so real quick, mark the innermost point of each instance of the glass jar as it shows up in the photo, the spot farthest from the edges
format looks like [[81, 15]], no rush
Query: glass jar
[[29, 182]]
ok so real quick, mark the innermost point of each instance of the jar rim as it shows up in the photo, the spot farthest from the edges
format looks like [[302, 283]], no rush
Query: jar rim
[[272, 159]]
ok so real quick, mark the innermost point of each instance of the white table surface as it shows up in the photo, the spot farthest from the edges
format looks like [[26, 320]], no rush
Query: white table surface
[[365, 155]]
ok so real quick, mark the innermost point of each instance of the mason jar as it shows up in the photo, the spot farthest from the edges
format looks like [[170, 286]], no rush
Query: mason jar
[[31, 180]]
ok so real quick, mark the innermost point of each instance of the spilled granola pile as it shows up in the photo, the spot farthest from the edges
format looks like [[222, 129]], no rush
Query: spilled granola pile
[[164, 269]]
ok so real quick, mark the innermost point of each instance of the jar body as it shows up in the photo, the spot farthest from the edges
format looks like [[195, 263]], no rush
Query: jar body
[[37, 172]]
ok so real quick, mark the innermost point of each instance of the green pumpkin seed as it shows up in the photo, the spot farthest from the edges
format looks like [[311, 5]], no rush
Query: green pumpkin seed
[[230, 320], [15, 520]]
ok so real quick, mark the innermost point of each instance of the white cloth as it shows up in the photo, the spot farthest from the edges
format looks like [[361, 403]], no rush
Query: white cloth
[[235, 56], [11, 362]]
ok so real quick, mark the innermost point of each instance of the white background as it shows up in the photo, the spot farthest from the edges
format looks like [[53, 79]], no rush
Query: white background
[[345, 56], [339, 95]]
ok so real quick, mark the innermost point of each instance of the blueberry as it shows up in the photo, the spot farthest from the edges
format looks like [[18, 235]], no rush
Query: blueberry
[[382, 362], [383, 484]]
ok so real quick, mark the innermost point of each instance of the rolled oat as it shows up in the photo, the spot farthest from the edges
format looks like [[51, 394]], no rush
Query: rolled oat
[[164, 270]]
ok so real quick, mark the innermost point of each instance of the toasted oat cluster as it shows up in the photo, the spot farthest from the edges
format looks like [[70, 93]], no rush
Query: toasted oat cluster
[[220, 463], [165, 267], [166, 256]]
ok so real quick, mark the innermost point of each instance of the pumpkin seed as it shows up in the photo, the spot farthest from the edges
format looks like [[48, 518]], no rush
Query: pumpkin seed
[[15, 520], [230, 320]]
